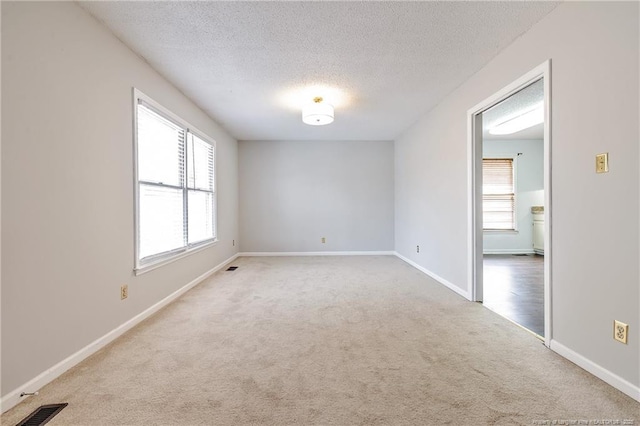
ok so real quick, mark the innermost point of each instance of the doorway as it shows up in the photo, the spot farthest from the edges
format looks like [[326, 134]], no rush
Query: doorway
[[510, 202]]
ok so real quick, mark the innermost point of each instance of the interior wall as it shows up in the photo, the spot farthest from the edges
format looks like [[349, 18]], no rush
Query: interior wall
[[67, 186], [594, 48], [293, 193], [529, 171]]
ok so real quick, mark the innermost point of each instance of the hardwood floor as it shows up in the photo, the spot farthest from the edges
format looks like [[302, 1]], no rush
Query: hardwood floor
[[514, 288]]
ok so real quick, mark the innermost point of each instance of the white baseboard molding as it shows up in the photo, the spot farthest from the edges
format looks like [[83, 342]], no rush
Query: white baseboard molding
[[507, 251], [600, 372], [316, 253], [13, 398], [436, 277]]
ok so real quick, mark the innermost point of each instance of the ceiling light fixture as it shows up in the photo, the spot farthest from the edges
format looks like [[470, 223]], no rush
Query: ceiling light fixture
[[317, 113], [528, 118]]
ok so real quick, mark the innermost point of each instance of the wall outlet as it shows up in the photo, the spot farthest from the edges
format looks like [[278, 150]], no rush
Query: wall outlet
[[234, 243], [417, 249], [323, 240], [124, 292], [602, 163], [620, 331]]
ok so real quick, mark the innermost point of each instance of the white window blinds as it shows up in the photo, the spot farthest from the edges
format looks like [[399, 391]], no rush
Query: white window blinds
[[175, 186], [498, 194], [200, 189]]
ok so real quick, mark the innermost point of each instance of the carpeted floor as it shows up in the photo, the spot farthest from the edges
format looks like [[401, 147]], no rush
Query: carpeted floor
[[327, 341]]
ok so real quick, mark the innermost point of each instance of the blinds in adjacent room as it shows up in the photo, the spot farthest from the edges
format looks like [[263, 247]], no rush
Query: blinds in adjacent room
[[498, 194]]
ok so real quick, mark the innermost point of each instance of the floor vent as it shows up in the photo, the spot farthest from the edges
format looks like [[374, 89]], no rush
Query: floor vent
[[521, 254], [232, 268], [42, 415]]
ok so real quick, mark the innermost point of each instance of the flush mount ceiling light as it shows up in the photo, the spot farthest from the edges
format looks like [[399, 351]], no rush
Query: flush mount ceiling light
[[526, 119], [317, 113]]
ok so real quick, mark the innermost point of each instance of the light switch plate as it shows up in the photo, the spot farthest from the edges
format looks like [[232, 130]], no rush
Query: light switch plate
[[602, 163]]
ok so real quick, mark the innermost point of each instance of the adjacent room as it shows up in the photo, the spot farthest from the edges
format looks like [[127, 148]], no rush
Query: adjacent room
[[513, 207], [287, 212]]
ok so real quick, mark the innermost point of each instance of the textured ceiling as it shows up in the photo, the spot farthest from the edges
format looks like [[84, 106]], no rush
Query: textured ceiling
[[513, 106], [249, 65]]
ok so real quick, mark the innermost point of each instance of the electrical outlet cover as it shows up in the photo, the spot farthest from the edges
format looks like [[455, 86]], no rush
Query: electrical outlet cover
[[620, 331], [602, 163]]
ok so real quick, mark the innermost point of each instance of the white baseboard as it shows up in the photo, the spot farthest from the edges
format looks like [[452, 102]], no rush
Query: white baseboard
[[11, 399], [436, 277], [316, 253], [607, 376], [507, 251]]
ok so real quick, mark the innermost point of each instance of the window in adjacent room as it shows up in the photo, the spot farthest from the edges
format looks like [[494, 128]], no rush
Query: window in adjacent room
[[175, 185], [498, 194]]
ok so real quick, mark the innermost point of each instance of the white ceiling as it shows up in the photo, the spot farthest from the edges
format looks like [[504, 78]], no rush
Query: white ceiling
[[383, 64], [511, 107]]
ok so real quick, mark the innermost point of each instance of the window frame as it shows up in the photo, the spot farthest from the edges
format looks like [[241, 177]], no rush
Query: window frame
[[514, 165], [155, 261]]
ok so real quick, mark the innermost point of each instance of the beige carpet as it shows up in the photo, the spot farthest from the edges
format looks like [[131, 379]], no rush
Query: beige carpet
[[327, 341]]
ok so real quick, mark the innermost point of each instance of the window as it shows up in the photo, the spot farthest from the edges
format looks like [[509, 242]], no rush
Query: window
[[175, 186], [498, 194]]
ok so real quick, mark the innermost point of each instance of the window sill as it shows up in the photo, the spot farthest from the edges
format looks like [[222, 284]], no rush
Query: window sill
[[143, 269], [500, 231]]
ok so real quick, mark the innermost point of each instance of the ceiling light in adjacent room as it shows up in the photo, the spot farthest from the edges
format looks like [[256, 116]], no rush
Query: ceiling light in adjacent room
[[524, 120], [317, 113]]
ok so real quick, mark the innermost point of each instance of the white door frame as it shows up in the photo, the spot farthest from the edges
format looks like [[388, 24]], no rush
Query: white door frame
[[474, 149]]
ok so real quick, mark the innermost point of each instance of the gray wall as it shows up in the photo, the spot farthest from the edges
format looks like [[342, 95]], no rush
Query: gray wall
[[294, 193], [594, 51], [67, 186], [529, 168]]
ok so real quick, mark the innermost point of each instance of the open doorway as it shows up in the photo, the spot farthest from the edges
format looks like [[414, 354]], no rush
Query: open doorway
[[513, 206], [510, 202]]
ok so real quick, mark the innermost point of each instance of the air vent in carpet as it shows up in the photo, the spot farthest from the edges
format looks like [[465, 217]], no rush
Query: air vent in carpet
[[42, 415], [520, 254], [232, 268]]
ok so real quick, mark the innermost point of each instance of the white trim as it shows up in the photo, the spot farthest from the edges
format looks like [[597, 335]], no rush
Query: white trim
[[474, 236], [607, 376], [548, 234], [500, 231], [542, 71], [508, 251], [315, 253], [182, 254], [436, 277], [600, 372], [12, 398], [136, 192]]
